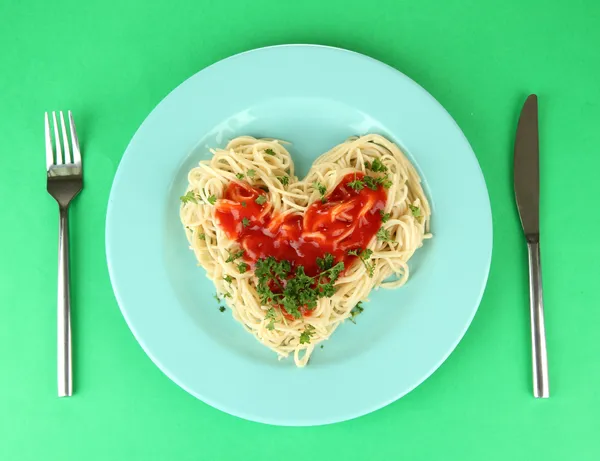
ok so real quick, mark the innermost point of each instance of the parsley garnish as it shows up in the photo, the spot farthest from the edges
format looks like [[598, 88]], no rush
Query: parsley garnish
[[321, 346], [261, 199], [377, 166], [305, 336], [321, 188], [364, 255], [384, 216], [271, 316], [212, 199], [357, 184], [233, 256], [251, 173], [189, 197], [245, 222], [269, 151], [244, 204], [356, 310], [228, 278], [300, 290], [216, 295], [326, 262], [243, 267], [202, 236], [416, 211], [240, 175], [371, 182], [222, 308], [384, 235], [226, 295], [284, 180]]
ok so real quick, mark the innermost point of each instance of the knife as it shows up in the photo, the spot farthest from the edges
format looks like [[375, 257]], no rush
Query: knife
[[527, 194]]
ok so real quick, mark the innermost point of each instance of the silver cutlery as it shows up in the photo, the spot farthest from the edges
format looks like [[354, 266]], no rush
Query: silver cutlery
[[64, 182], [527, 194]]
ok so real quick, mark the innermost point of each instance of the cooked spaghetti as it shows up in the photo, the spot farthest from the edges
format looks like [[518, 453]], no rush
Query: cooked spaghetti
[[295, 258]]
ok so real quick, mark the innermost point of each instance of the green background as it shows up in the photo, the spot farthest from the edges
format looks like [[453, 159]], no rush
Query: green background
[[112, 63]]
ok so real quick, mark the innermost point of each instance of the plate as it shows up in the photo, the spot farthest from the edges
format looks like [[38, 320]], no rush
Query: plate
[[314, 97]]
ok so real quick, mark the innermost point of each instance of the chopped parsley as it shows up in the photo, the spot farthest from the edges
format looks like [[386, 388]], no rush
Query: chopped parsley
[[244, 204], [271, 316], [385, 217], [357, 184], [364, 256], [384, 235], [240, 175], [233, 256], [299, 290], [226, 295], [228, 278], [245, 222], [189, 197], [305, 336], [216, 296], [377, 166], [356, 310], [416, 211], [326, 262], [321, 346], [243, 267], [261, 199], [222, 308], [269, 151], [251, 173], [284, 180], [202, 236], [212, 199]]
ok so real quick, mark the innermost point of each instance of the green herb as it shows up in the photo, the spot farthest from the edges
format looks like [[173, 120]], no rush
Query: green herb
[[244, 204], [222, 308], [202, 236], [385, 181], [240, 175], [321, 346], [416, 211], [321, 188], [384, 235], [300, 290], [226, 295], [367, 165], [378, 167], [269, 151], [233, 256], [356, 310], [212, 199], [189, 197], [245, 222], [284, 180], [371, 182], [271, 316], [357, 184], [216, 296], [364, 256], [243, 267], [326, 262], [384, 216], [251, 173], [305, 336], [228, 278], [261, 199]]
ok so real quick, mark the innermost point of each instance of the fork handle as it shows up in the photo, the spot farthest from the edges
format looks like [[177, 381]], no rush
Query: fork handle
[[538, 330], [65, 386]]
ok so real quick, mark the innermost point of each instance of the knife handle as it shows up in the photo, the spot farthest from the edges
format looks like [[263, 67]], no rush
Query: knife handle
[[538, 331]]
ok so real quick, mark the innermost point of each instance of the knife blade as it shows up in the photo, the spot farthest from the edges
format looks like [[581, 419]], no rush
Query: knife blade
[[527, 169], [527, 195]]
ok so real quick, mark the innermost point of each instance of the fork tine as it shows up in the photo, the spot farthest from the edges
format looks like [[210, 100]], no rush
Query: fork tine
[[59, 160], [75, 141], [49, 154], [65, 139]]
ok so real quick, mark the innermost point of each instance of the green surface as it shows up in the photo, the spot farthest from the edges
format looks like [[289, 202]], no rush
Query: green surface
[[111, 64]]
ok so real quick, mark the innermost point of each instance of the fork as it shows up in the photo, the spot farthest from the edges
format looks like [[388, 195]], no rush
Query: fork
[[65, 180]]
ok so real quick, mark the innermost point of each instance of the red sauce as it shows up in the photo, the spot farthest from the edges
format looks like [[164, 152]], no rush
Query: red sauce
[[347, 220]]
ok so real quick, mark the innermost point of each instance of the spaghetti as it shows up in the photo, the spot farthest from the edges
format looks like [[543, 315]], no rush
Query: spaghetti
[[294, 258]]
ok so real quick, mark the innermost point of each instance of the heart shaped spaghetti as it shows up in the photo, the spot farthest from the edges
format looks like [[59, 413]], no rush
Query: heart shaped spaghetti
[[295, 258]]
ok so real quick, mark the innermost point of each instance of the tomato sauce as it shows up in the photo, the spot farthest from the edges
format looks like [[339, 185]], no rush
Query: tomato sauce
[[345, 220]]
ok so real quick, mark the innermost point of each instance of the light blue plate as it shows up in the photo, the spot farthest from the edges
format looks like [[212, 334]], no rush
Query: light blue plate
[[314, 97]]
